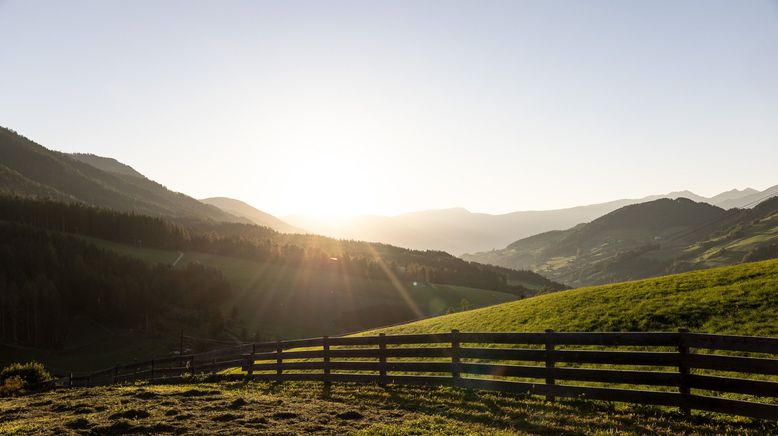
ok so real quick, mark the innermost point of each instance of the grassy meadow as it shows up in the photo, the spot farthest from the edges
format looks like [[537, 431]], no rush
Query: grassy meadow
[[302, 407], [741, 299]]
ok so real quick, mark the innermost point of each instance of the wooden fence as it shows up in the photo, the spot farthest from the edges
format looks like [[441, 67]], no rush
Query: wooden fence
[[664, 368]]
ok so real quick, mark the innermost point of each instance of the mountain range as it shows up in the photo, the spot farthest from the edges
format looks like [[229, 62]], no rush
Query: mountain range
[[617, 240], [460, 231], [645, 239]]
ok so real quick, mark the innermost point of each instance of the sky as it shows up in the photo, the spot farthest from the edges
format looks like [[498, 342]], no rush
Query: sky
[[383, 107]]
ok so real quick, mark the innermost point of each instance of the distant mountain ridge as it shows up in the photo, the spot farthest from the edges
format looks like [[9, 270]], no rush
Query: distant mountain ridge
[[750, 199], [646, 239], [458, 231], [244, 210]]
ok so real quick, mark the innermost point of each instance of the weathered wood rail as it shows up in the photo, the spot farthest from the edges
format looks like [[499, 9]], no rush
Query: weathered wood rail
[[663, 368]]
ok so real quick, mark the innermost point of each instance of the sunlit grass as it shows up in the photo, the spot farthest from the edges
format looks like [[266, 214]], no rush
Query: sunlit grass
[[741, 299], [307, 407]]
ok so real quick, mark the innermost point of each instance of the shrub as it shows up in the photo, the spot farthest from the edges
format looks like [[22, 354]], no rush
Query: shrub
[[11, 385], [30, 373]]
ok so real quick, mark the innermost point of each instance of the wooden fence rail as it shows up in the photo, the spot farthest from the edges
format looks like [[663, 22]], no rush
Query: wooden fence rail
[[675, 369]]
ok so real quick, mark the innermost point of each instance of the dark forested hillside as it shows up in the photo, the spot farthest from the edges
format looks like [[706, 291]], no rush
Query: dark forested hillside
[[642, 240], [56, 285], [47, 278], [29, 169], [356, 258]]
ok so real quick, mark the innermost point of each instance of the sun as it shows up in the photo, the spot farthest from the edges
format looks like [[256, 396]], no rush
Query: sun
[[331, 188]]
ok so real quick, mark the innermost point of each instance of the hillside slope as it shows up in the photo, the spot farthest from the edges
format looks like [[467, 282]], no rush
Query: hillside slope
[[106, 164], [29, 169], [741, 299], [241, 209], [643, 240]]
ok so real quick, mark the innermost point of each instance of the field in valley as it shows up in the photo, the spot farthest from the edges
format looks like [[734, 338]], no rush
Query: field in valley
[[287, 302]]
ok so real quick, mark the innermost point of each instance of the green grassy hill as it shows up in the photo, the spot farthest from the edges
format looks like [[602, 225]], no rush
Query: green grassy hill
[[740, 299]]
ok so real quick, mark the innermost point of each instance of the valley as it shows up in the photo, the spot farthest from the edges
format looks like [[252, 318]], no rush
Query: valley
[[388, 218], [659, 237]]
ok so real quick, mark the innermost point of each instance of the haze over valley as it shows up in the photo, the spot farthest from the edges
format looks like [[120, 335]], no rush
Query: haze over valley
[[460, 231]]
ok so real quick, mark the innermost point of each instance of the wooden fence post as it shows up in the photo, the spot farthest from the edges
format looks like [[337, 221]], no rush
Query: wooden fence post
[[382, 359], [251, 360], [279, 360], [683, 369], [326, 357], [70, 380], [550, 381], [455, 368], [192, 365]]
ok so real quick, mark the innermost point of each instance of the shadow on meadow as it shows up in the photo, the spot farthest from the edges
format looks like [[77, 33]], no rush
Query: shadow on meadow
[[309, 407]]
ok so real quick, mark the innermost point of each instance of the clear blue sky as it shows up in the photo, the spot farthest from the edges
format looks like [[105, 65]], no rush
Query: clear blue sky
[[384, 107]]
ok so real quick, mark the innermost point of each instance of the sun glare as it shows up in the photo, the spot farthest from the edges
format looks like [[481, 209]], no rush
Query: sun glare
[[330, 187]]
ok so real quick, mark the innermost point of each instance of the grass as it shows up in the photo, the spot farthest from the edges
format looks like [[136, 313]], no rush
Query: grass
[[303, 407], [741, 299]]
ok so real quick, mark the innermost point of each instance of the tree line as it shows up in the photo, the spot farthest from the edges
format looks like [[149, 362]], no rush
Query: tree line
[[47, 278], [357, 258]]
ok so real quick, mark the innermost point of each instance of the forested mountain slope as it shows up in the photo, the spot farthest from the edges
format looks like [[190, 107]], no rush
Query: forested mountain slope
[[60, 290], [29, 169], [264, 244]]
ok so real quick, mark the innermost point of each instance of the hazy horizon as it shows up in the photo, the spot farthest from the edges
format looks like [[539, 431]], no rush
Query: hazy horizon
[[351, 108]]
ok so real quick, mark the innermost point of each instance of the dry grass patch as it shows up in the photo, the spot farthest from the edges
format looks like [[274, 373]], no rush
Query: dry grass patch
[[302, 407]]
